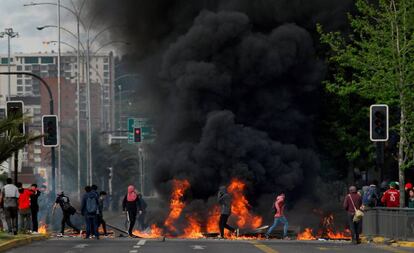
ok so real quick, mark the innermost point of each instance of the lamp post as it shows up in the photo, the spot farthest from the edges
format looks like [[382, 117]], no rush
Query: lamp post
[[10, 34]]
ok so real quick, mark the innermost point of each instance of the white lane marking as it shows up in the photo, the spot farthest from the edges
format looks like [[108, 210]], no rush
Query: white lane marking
[[133, 251], [141, 242], [198, 247], [80, 246], [137, 247]]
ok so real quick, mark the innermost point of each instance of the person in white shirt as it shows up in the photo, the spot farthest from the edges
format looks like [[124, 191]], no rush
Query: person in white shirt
[[9, 197]]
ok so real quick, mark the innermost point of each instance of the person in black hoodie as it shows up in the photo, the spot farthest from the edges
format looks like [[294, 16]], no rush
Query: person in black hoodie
[[132, 206], [90, 210], [34, 207]]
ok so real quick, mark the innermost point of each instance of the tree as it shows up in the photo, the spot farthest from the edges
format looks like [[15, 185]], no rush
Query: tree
[[11, 139], [375, 61]]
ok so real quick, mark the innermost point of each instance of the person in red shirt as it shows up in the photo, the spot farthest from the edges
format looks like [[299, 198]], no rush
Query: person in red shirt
[[353, 202], [279, 206], [24, 208], [391, 197]]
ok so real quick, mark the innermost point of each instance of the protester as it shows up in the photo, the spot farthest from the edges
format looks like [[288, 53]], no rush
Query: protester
[[279, 206], [10, 194], [67, 210], [224, 200], [411, 198], [24, 209], [370, 197], [352, 203], [101, 221], [391, 197], [131, 205], [34, 207], [141, 215], [407, 188], [90, 210]]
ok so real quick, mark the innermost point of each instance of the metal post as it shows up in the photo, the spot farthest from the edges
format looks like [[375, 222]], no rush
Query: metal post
[[89, 131], [8, 67], [59, 99], [78, 114]]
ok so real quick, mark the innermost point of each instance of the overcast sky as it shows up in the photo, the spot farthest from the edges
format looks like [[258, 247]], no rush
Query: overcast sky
[[24, 20]]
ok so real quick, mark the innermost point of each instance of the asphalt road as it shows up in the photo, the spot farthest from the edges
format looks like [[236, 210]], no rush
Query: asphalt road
[[121, 245]]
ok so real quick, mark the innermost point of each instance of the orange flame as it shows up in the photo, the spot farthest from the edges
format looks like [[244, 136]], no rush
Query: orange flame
[[176, 204], [240, 206], [213, 220], [306, 235], [154, 232], [193, 230], [42, 229]]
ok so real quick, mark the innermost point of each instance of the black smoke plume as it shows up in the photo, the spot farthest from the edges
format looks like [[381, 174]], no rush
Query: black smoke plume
[[233, 85]]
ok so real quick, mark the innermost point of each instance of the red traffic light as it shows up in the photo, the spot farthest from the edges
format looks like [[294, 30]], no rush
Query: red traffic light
[[137, 131], [137, 134]]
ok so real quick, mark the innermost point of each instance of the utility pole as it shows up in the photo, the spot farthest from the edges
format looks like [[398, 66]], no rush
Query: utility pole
[[59, 170]]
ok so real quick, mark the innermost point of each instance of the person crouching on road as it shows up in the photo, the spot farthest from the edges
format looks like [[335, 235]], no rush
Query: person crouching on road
[[353, 202], [25, 212], [90, 210], [132, 206], [279, 207], [224, 200]]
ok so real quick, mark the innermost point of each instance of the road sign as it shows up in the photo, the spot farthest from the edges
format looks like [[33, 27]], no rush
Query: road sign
[[147, 130]]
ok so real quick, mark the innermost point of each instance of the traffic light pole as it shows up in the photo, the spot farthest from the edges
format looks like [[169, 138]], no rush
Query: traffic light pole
[[53, 159]]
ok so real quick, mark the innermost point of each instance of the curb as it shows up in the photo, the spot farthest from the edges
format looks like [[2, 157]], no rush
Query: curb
[[20, 242]]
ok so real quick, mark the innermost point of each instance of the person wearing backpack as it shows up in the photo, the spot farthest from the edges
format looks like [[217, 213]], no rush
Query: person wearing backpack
[[90, 210], [67, 210], [370, 197]]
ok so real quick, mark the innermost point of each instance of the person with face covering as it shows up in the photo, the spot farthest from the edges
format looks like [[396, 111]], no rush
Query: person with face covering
[[224, 200], [132, 206]]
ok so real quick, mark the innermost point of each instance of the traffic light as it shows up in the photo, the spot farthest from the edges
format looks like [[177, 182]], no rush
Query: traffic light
[[50, 131], [14, 109], [137, 134], [378, 123]]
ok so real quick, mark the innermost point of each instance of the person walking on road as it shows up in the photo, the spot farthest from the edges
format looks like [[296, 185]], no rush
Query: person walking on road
[[67, 210], [101, 221], [391, 197], [279, 207], [34, 207], [9, 197], [25, 212], [90, 210], [352, 203], [141, 216], [224, 200], [131, 205]]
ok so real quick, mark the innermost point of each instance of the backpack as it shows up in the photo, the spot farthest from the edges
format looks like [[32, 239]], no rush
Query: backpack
[[66, 206], [370, 197], [92, 205]]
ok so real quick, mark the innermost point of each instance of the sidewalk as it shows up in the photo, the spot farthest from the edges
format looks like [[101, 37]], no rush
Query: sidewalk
[[11, 241]]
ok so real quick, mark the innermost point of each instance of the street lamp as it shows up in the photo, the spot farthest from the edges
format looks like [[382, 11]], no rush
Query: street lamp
[[10, 34]]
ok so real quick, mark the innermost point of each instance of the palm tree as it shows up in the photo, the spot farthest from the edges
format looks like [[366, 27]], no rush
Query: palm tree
[[11, 140]]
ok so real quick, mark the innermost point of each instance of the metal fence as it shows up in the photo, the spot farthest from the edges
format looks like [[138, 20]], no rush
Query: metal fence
[[393, 223]]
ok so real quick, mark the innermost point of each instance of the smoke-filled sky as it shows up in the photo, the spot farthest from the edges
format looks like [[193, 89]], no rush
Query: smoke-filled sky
[[233, 85]]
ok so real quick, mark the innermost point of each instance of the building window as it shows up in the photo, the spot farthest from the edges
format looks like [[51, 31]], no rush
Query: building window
[[4, 61], [19, 75], [28, 67], [106, 74], [28, 88], [43, 67], [35, 67], [106, 67], [106, 60], [46, 60], [19, 81], [31, 60], [106, 81], [43, 74], [19, 67], [28, 81], [19, 88]]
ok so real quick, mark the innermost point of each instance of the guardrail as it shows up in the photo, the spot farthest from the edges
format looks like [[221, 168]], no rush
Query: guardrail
[[393, 223]]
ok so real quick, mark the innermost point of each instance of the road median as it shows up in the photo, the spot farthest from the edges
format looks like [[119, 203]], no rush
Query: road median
[[8, 242]]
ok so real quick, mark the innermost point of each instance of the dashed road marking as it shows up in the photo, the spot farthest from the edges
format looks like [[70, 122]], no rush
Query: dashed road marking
[[137, 247], [141, 242], [198, 247], [80, 246], [133, 251]]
